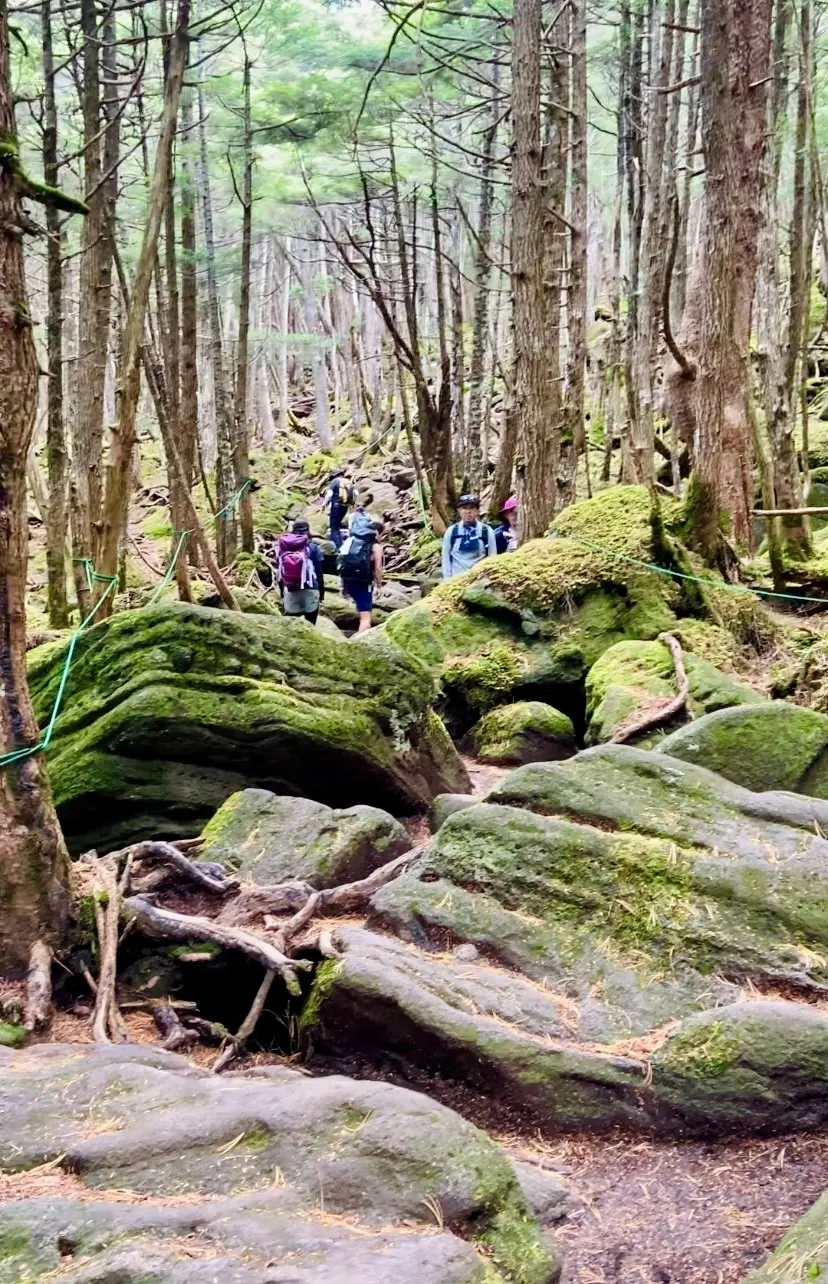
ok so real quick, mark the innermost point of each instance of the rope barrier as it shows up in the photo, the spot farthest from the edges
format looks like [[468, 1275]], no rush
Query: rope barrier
[[234, 499], [695, 579], [17, 755], [182, 535]]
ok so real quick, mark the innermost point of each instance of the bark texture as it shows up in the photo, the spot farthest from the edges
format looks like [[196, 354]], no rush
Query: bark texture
[[33, 889]]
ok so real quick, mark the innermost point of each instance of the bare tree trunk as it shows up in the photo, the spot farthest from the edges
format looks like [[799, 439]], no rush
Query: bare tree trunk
[[284, 325], [735, 57], [188, 409], [537, 446], [116, 500], [226, 523], [56, 517], [573, 416], [320, 376], [241, 437], [645, 337], [474, 463], [33, 883]]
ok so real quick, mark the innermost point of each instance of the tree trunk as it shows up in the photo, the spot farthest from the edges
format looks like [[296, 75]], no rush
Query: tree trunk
[[116, 501], [56, 517], [226, 523], [474, 463], [33, 863], [188, 416], [735, 57], [573, 415], [241, 436], [645, 336], [537, 447]]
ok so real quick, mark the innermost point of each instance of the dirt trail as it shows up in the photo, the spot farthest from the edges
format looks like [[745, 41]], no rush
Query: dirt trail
[[679, 1213]]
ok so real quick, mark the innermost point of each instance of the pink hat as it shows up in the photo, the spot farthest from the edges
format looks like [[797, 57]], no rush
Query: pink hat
[[510, 504]]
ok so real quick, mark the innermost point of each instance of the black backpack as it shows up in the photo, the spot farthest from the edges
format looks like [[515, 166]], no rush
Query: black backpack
[[356, 560], [471, 538]]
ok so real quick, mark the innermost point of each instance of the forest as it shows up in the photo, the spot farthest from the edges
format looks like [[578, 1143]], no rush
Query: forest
[[413, 641]]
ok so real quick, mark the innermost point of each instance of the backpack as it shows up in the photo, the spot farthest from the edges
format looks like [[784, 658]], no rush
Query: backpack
[[355, 561], [361, 525], [472, 539], [337, 500], [296, 568]]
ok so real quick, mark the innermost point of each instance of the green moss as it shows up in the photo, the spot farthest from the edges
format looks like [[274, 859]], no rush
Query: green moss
[[323, 982], [701, 1051], [11, 1036], [523, 732], [486, 677], [516, 1245], [157, 525]]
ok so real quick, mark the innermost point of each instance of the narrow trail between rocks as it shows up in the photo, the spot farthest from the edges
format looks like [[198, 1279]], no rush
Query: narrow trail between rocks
[[683, 1213]]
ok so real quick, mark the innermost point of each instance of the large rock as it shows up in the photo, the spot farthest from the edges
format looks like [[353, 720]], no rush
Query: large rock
[[646, 887], [747, 1067], [528, 731], [769, 746], [148, 1122], [270, 838], [171, 709], [245, 1239], [530, 624], [632, 677]]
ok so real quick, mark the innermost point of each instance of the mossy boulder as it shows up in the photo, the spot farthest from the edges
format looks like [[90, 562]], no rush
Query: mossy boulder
[[632, 677], [530, 624], [271, 838], [373, 1152], [774, 745], [171, 709], [645, 886], [528, 731], [744, 1067]]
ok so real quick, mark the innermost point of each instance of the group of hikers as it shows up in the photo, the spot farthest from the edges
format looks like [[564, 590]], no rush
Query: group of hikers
[[357, 538]]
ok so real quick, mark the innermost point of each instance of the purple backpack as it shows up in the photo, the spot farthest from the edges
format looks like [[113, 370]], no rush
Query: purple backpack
[[296, 569]]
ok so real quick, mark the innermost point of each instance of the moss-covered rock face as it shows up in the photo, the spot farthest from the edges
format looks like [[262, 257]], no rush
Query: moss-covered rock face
[[268, 838], [774, 745], [171, 709], [282, 1143], [528, 731], [748, 1066], [530, 624], [632, 677]]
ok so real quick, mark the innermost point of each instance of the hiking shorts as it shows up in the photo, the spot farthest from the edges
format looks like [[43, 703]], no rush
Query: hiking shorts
[[300, 601], [362, 595]]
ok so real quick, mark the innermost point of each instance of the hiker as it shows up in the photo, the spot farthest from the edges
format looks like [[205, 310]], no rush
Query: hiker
[[336, 501], [468, 541], [506, 536], [360, 566], [299, 572]]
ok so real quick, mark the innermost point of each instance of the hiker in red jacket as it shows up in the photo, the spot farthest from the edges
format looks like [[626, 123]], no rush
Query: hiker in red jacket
[[299, 572]]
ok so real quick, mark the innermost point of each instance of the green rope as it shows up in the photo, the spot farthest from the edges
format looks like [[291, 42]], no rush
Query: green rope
[[182, 535], [17, 754], [234, 499], [86, 563], [696, 579]]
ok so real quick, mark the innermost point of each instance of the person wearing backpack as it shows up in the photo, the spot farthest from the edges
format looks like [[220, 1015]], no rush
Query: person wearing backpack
[[506, 536], [336, 501], [360, 566], [299, 572], [468, 541]]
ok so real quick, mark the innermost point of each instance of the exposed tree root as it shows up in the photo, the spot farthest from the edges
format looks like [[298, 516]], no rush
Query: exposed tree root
[[665, 709], [170, 855], [235, 1045], [169, 1025], [107, 1022], [168, 925], [38, 1012]]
